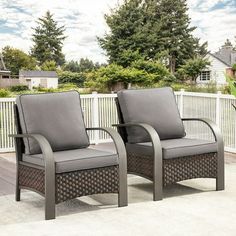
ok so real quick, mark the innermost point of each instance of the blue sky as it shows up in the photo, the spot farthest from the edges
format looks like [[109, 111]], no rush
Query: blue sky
[[84, 21]]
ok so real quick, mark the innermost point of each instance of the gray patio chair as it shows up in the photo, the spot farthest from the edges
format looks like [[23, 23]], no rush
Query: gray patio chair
[[52, 153], [156, 146]]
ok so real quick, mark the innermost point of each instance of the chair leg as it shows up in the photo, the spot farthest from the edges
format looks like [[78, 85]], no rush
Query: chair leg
[[123, 195], [220, 179], [158, 179], [122, 198], [17, 196], [157, 190], [50, 206], [50, 200]]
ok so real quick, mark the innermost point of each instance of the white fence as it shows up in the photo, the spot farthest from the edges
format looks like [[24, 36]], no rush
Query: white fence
[[100, 110]]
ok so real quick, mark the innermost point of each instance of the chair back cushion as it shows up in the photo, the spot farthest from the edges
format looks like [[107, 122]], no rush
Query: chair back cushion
[[56, 116], [156, 107]]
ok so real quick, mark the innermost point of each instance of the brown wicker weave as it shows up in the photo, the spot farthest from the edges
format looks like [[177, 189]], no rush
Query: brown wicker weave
[[175, 170], [72, 184]]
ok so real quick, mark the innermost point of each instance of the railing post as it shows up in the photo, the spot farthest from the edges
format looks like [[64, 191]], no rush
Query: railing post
[[218, 108], [95, 117], [181, 102]]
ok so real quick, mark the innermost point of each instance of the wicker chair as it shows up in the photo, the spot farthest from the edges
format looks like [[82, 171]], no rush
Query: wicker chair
[[156, 146], [53, 157]]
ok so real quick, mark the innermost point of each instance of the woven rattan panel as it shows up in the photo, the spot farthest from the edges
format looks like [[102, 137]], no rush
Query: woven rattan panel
[[81, 183], [31, 178], [177, 169], [72, 184]]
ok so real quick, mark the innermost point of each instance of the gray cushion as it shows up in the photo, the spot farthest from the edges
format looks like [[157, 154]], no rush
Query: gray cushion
[[174, 148], [57, 116], [156, 107], [77, 159]]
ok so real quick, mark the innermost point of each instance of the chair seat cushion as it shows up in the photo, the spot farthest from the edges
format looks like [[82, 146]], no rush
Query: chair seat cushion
[[77, 159], [156, 107], [173, 148]]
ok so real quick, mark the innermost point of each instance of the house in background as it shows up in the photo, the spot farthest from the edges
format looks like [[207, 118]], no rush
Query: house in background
[[221, 65], [4, 73], [44, 79]]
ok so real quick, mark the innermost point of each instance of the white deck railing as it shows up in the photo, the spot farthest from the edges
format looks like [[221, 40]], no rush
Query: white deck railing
[[100, 110]]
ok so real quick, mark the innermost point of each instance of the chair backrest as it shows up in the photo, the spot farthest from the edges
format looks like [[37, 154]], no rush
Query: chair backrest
[[156, 107], [56, 116], [121, 131]]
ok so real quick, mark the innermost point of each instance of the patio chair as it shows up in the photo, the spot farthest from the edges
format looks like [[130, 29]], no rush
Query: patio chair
[[156, 146], [53, 154]]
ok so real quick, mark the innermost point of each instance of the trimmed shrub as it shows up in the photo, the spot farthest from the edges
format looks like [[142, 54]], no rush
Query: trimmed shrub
[[19, 88], [4, 93], [71, 77]]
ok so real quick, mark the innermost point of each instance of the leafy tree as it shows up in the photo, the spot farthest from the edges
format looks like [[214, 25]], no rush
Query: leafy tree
[[232, 85], [193, 67], [105, 77], [156, 68], [141, 73], [151, 27], [15, 60], [48, 40], [234, 67], [49, 66], [127, 57]]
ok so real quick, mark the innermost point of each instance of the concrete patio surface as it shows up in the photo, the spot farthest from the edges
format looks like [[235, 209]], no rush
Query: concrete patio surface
[[189, 208]]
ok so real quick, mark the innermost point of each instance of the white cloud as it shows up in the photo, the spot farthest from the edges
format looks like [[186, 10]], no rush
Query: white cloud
[[84, 21], [214, 25]]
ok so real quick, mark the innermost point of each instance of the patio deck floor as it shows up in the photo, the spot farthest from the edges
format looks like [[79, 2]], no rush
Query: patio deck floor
[[192, 208], [7, 168]]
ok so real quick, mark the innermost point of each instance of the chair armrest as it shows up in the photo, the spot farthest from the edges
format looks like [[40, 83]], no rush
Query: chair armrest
[[156, 143], [121, 151], [220, 182], [45, 148], [212, 125], [119, 144], [50, 173]]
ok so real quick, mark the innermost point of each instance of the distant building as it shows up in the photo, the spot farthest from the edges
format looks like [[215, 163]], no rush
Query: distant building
[[221, 65], [45, 79], [4, 73]]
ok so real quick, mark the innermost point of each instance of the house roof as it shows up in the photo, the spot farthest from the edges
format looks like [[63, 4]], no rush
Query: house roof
[[38, 73], [227, 55], [213, 55]]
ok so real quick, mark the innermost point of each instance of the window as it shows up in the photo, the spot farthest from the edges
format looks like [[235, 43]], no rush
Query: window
[[205, 76]]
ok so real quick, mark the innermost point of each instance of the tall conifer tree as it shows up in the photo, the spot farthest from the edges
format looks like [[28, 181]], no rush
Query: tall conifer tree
[[48, 40]]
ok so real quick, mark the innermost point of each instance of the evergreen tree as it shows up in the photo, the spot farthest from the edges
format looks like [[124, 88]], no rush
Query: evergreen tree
[[72, 66], [83, 65], [48, 40], [153, 28], [124, 23], [86, 65]]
